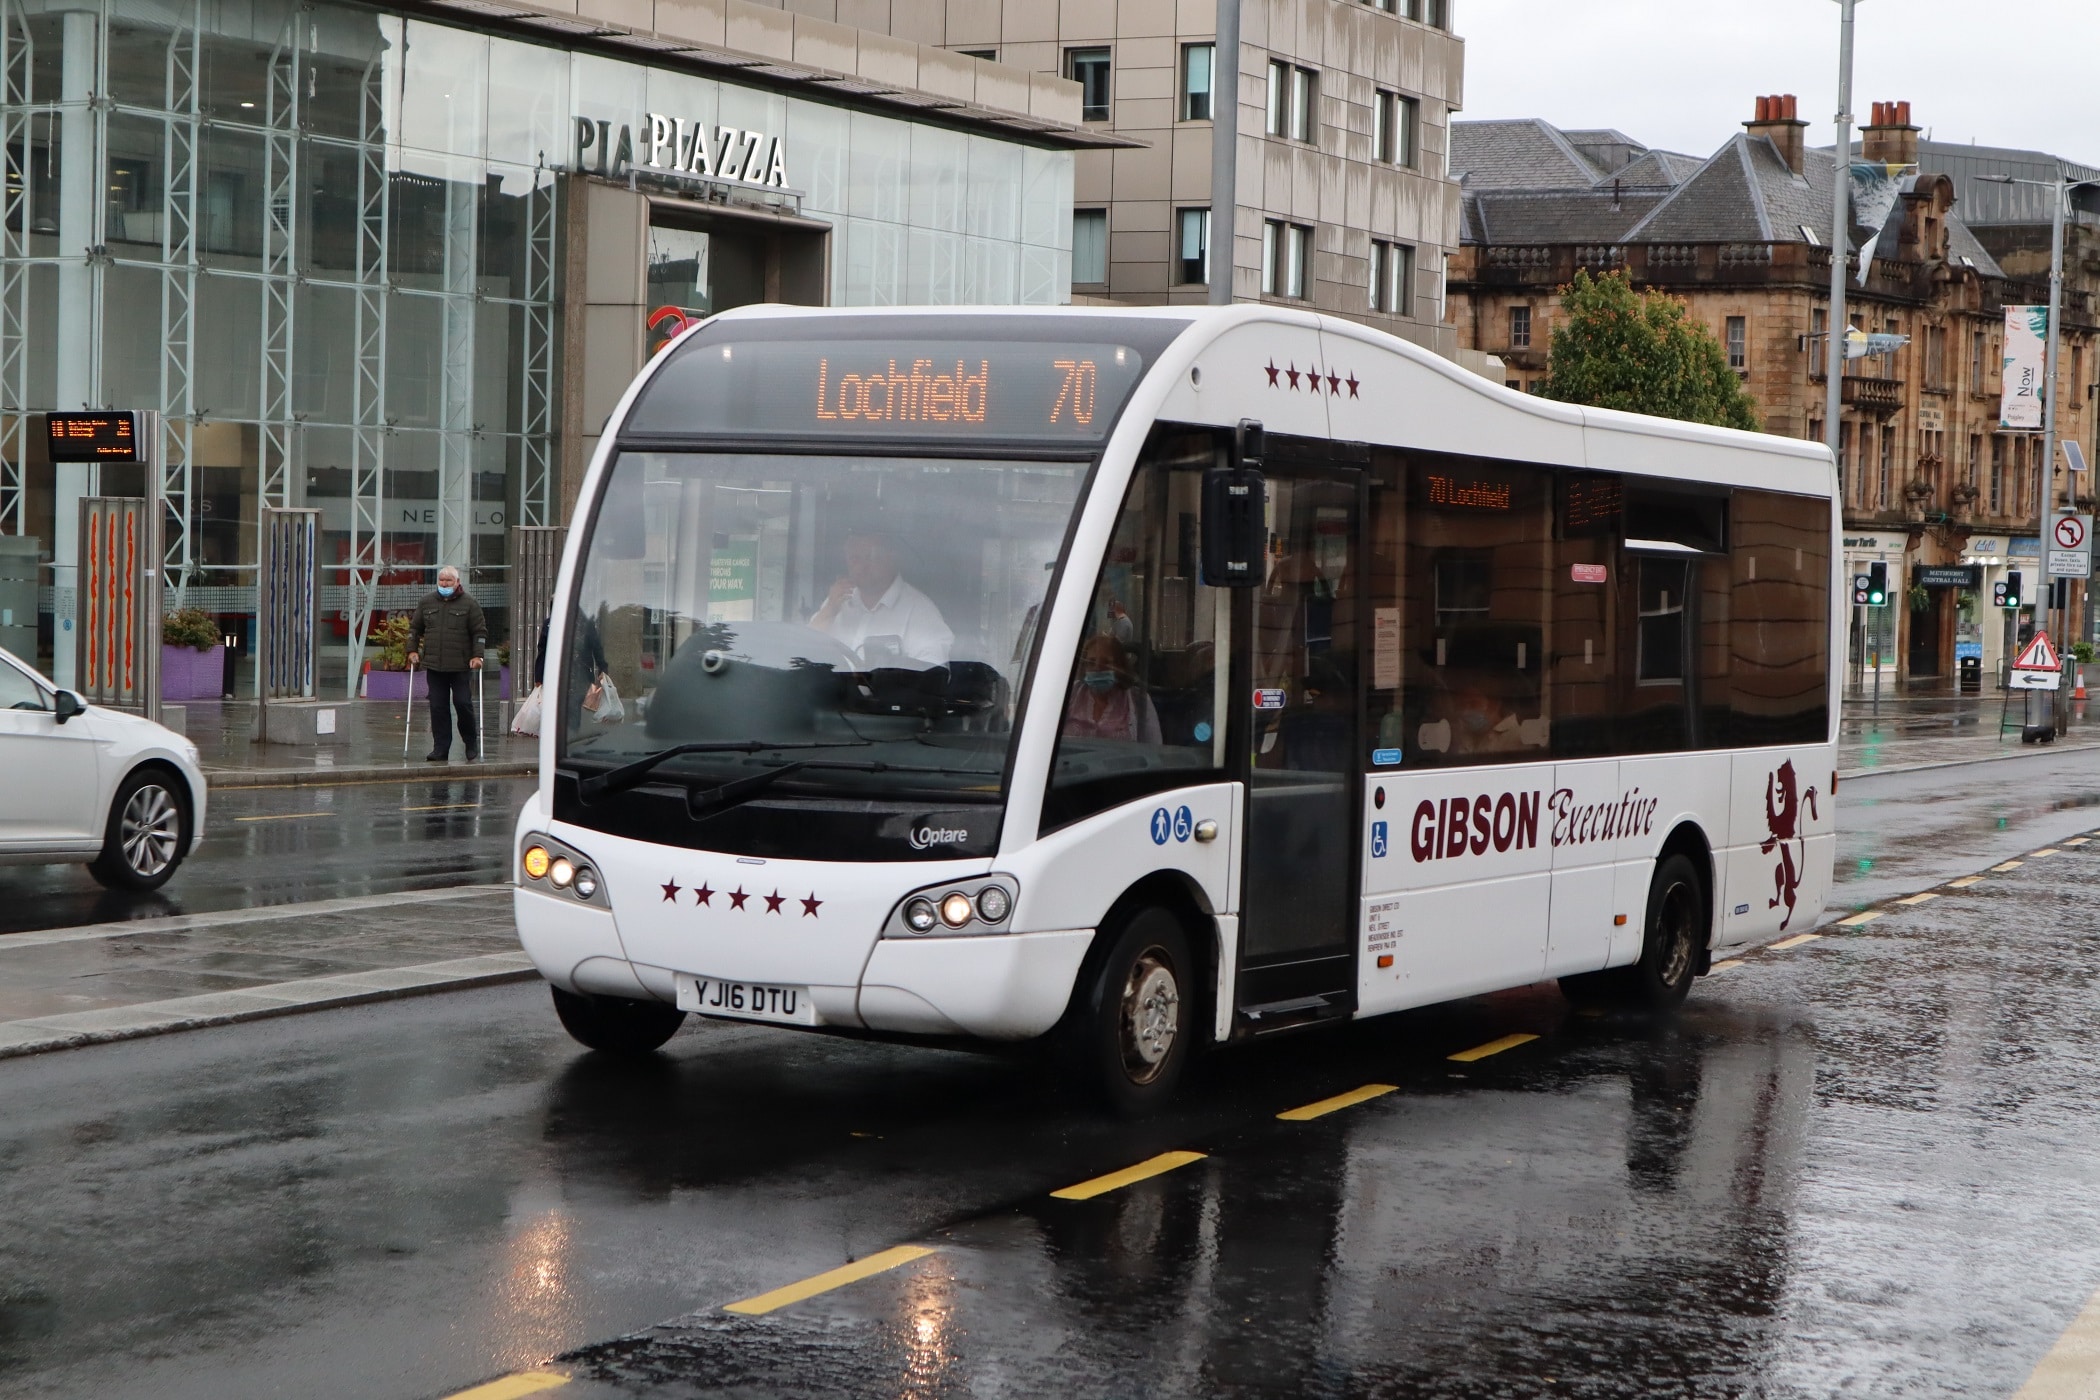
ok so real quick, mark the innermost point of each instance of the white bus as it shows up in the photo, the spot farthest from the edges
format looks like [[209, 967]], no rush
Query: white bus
[[1157, 679]]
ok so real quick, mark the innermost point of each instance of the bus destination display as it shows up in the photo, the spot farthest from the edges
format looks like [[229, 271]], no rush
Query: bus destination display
[[936, 389], [109, 436]]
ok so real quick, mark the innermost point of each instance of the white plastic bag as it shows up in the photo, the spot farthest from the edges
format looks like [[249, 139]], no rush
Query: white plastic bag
[[610, 708], [527, 719]]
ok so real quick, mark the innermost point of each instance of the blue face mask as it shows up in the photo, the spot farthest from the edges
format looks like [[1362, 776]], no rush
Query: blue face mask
[[446, 590], [1101, 682]]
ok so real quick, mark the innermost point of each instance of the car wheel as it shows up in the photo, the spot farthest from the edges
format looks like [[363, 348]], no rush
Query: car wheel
[[617, 1025], [147, 834], [1673, 936], [1132, 1027]]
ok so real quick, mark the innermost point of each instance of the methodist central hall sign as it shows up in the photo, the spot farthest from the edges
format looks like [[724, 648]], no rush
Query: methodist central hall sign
[[679, 149]]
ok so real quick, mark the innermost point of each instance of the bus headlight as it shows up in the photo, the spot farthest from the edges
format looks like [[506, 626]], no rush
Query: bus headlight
[[563, 871], [553, 868], [536, 862], [977, 904], [586, 882]]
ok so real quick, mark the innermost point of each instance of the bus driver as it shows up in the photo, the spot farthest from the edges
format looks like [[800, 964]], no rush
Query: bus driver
[[880, 616]]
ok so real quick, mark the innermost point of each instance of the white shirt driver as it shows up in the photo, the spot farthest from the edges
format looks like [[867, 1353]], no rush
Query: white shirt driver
[[902, 613]]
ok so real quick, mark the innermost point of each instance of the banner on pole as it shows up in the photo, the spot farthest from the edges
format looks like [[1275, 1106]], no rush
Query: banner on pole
[[2026, 349]]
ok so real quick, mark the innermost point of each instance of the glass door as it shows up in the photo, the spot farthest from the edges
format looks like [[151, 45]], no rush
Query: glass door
[[1297, 934]]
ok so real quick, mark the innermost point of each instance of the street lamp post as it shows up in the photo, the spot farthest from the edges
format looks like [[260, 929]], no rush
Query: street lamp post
[[1840, 244]]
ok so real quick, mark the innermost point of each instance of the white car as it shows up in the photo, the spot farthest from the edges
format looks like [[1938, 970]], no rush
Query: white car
[[86, 783]]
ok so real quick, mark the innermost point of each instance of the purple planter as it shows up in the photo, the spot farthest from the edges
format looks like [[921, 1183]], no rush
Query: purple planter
[[189, 674], [393, 685]]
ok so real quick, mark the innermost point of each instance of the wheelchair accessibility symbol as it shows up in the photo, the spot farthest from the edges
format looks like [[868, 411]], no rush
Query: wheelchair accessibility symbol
[[1162, 827], [1378, 840], [1184, 823]]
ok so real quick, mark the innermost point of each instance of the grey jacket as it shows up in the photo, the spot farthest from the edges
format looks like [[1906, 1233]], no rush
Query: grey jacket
[[448, 632]]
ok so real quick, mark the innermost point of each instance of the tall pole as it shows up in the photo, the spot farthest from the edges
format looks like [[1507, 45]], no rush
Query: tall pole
[[1224, 151], [1840, 244], [2061, 195]]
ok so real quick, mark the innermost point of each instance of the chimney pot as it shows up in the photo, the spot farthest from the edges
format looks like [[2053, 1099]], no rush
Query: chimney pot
[[1789, 112], [1903, 113], [1764, 109]]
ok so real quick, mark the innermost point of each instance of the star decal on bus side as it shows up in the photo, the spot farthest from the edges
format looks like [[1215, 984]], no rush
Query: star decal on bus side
[[1334, 381], [704, 895], [1292, 374], [1351, 382], [670, 889], [737, 897], [1273, 372], [811, 905], [774, 901]]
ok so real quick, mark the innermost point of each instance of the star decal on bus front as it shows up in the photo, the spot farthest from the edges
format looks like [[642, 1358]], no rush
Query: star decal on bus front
[[737, 897], [1334, 381], [704, 895], [1292, 373], [1273, 372], [810, 905], [1351, 382], [670, 889], [774, 901]]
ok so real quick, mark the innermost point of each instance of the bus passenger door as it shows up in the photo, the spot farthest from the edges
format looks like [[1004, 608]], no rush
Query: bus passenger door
[[1299, 633]]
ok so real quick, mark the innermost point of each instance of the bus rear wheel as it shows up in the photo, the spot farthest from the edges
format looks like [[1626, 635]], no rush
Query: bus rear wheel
[[617, 1025], [1674, 934], [1133, 1022]]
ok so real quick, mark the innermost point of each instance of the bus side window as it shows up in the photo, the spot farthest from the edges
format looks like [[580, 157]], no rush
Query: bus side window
[[1780, 642], [1140, 711]]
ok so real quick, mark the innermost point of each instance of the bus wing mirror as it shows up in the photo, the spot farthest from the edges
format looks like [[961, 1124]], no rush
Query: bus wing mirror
[[1235, 514]]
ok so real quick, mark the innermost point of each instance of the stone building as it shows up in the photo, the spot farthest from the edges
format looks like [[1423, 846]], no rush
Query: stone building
[[1344, 203], [1932, 487]]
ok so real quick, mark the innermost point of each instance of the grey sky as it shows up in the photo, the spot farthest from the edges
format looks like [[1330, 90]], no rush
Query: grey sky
[[1684, 74]]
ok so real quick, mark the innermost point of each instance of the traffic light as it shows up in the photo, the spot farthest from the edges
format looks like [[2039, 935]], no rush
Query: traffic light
[[2012, 588], [1877, 585]]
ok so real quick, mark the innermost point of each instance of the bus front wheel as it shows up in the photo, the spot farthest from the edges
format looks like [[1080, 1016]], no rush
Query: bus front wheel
[[617, 1025], [1674, 934], [1131, 1029]]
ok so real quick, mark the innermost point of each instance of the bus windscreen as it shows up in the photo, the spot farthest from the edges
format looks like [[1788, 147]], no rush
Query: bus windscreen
[[1059, 391]]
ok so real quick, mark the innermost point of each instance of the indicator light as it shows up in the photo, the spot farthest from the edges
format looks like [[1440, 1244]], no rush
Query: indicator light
[[536, 862]]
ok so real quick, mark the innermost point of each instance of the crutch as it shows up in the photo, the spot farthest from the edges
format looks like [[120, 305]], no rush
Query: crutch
[[408, 712]]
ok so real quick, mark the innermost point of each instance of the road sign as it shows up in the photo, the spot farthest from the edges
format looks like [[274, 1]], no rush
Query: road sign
[[2036, 680], [1859, 590], [2071, 546], [2038, 655]]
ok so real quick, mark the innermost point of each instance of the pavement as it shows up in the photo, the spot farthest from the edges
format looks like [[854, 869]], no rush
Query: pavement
[[371, 745]]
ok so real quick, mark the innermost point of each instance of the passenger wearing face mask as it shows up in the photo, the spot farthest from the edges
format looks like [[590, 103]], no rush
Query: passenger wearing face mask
[[447, 639], [1106, 701]]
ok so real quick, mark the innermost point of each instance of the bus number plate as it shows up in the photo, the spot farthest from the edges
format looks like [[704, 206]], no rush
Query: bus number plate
[[748, 1001]]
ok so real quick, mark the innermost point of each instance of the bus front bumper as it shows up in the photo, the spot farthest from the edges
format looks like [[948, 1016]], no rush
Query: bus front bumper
[[1008, 986]]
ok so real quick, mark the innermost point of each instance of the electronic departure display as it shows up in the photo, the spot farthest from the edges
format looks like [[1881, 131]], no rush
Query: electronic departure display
[[1056, 390], [109, 436]]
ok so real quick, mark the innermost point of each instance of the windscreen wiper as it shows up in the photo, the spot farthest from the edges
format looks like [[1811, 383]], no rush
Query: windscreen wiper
[[701, 801], [628, 775]]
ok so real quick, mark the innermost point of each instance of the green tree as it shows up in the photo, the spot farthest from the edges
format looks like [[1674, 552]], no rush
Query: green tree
[[1614, 347]]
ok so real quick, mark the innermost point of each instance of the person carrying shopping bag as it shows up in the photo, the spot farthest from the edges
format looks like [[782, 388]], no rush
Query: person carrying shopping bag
[[447, 637]]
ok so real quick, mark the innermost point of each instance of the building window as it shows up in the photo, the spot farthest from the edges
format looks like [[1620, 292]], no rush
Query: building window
[[1196, 65], [1997, 473], [1520, 328], [1279, 94], [1437, 13], [1090, 246], [1738, 343], [1089, 69], [1976, 363], [1975, 460], [1935, 357], [1194, 245], [1888, 463], [1407, 123], [1304, 105], [988, 55], [1392, 277], [1286, 250]]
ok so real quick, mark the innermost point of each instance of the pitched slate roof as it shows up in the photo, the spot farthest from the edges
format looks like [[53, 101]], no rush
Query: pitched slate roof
[[1526, 154], [1553, 216]]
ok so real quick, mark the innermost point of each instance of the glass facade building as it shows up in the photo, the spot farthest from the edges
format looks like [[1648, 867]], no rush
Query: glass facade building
[[329, 243]]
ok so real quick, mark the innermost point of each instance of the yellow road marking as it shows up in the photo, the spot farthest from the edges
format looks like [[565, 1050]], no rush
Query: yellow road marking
[[831, 1278], [286, 817], [2044, 851], [510, 1387], [1800, 938], [2009, 865], [1964, 882], [1116, 1181], [1324, 1107], [443, 807], [2078, 840], [2070, 1370], [1724, 964], [1493, 1047], [1854, 922], [1924, 898]]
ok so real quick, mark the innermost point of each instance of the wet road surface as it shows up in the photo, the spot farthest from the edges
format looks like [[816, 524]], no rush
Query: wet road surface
[[286, 845], [1859, 1166]]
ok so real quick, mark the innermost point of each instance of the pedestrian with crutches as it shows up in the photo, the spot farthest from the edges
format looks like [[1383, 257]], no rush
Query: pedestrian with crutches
[[448, 636]]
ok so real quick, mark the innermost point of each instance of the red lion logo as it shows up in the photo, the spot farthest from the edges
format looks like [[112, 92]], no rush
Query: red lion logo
[[1783, 805]]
